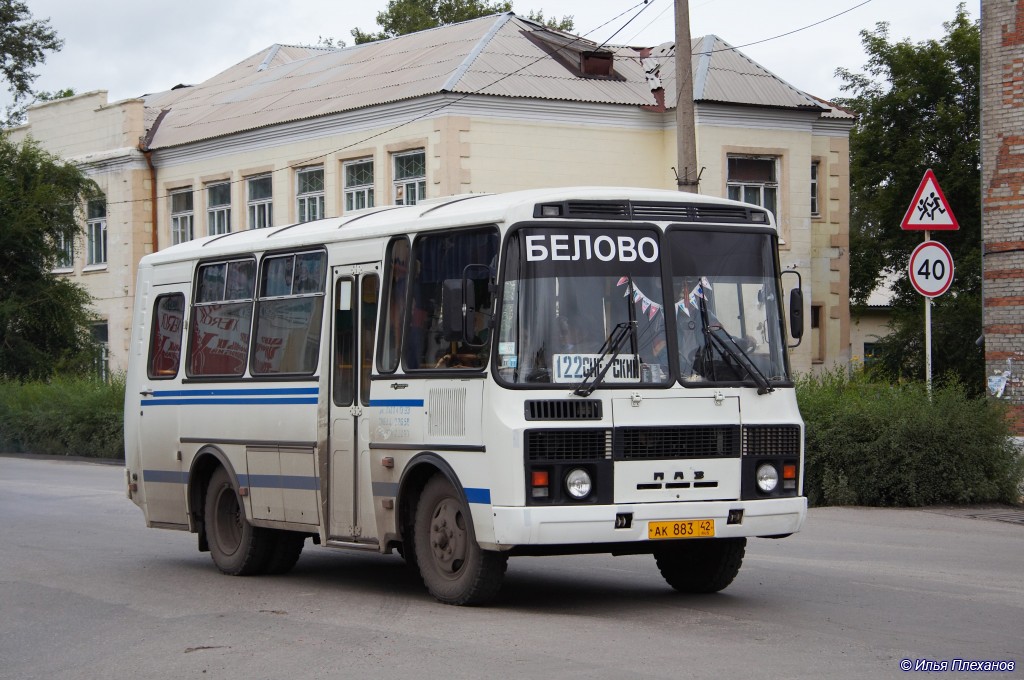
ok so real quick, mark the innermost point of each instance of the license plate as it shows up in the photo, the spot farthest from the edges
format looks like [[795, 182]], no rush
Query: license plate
[[681, 528]]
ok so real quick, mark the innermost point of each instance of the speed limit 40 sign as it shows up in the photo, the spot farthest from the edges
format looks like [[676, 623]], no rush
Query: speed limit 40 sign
[[931, 269]]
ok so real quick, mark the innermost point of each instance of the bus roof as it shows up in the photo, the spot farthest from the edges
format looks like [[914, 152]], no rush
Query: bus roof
[[582, 203]]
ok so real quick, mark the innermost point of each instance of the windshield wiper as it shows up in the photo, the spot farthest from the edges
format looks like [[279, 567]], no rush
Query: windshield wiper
[[612, 345], [732, 348]]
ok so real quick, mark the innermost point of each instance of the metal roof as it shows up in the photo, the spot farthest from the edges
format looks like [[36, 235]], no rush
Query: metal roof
[[501, 55]]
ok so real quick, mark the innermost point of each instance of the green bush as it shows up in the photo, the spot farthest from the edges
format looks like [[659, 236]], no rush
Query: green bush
[[63, 417], [890, 445]]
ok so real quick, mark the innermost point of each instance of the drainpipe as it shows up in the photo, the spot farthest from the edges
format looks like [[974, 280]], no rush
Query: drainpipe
[[148, 153]]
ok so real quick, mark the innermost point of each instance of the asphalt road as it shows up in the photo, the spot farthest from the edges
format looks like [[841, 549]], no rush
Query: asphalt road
[[86, 591]]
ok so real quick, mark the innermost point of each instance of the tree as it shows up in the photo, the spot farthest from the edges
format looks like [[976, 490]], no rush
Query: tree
[[24, 42], [918, 108], [408, 16], [44, 317]]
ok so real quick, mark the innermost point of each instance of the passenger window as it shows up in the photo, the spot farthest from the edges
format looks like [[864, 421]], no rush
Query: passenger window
[[395, 299], [447, 268], [165, 336], [290, 316], [222, 318]]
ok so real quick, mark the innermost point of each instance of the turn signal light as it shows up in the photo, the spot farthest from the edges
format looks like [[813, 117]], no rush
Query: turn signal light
[[540, 480], [789, 471]]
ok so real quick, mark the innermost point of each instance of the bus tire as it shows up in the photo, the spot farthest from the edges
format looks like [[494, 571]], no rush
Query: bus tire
[[454, 568], [237, 547], [701, 565], [287, 546]]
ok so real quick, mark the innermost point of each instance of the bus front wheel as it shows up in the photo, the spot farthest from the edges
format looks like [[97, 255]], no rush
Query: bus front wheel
[[237, 547], [701, 565], [455, 569]]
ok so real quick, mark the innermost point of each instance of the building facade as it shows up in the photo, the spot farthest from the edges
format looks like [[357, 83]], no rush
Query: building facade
[[490, 105], [1002, 175]]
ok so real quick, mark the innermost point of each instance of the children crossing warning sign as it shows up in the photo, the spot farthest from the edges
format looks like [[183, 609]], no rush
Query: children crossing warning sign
[[929, 211]]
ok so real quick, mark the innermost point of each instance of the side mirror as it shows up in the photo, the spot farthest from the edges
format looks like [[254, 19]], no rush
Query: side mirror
[[457, 298], [796, 309]]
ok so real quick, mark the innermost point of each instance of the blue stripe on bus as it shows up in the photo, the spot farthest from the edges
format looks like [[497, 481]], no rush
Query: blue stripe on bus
[[280, 482], [396, 402], [236, 392], [228, 400], [478, 496], [165, 476]]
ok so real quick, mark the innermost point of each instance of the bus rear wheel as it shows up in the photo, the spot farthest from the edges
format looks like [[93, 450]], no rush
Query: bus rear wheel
[[454, 568], [237, 547], [701, 565]]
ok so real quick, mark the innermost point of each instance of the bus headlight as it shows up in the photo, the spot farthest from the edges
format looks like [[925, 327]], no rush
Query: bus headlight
[[578, 483], [767, 477]]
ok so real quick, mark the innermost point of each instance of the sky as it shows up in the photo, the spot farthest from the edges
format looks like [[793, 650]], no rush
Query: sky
[[133, 48]]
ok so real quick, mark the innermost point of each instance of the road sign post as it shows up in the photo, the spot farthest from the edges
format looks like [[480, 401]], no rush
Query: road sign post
[[931, 263]]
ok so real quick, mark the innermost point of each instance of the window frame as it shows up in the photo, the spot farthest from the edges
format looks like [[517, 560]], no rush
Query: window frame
[[743, 185], [815, 188], [194, 316], [96, 232], [259, 211], [182, 221], [352, 193], [401, 185], [304, 200], [166, 374], [218, 215], [65, 253]]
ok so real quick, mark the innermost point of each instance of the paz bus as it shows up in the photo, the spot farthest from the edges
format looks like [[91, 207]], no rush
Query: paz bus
[[465, 379]]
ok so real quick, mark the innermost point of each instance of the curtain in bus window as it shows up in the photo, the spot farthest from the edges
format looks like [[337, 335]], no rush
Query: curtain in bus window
[[165, 340], [290, 314], [222, 318]]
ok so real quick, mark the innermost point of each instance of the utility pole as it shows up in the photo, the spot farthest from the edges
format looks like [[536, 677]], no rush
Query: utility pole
[[686, 142]]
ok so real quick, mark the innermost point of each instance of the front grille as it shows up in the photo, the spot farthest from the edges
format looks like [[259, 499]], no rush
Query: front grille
[[577, 445], [608, 210], [643, 443], [716, 213], [563, 409], [673, 212], [771, 440]]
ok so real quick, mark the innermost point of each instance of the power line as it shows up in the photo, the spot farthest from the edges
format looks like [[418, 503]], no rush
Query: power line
[[644, 4]]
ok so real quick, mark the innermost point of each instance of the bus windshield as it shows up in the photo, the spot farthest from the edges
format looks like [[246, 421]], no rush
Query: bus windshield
[[727, 312], [580, 305], [567, 292]]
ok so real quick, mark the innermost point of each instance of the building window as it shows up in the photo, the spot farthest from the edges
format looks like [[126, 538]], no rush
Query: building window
[[817, 334], [814, 189], [358, 184], [260, 202], [101, 361], [181, 216], [754, 180], [310, 193], [65, 252], [218, 209], [410, 177], [96, 231]]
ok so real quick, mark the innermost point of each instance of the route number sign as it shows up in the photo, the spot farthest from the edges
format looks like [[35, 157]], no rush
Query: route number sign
[[931, 269]]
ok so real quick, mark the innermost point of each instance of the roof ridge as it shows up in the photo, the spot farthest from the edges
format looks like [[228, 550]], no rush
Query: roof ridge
[[461, 69]]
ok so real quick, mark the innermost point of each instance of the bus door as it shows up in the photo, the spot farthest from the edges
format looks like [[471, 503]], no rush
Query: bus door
[[158, 430], [350, 500]]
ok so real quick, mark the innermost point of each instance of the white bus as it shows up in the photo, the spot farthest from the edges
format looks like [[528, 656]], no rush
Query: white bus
[[471, 378]]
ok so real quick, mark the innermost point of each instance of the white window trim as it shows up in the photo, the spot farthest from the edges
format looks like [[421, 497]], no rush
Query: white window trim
[[260, 207], [182, 222], [213, 211], [417, 184], [355, 191], [310, 199]]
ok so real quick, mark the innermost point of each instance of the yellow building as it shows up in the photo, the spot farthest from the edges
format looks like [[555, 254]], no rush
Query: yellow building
[[494, 104]]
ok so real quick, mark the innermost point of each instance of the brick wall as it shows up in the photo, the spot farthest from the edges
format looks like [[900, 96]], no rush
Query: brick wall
[[1002, 128]]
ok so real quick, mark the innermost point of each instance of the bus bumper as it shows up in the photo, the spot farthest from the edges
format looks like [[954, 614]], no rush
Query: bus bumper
[[568, 525]]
